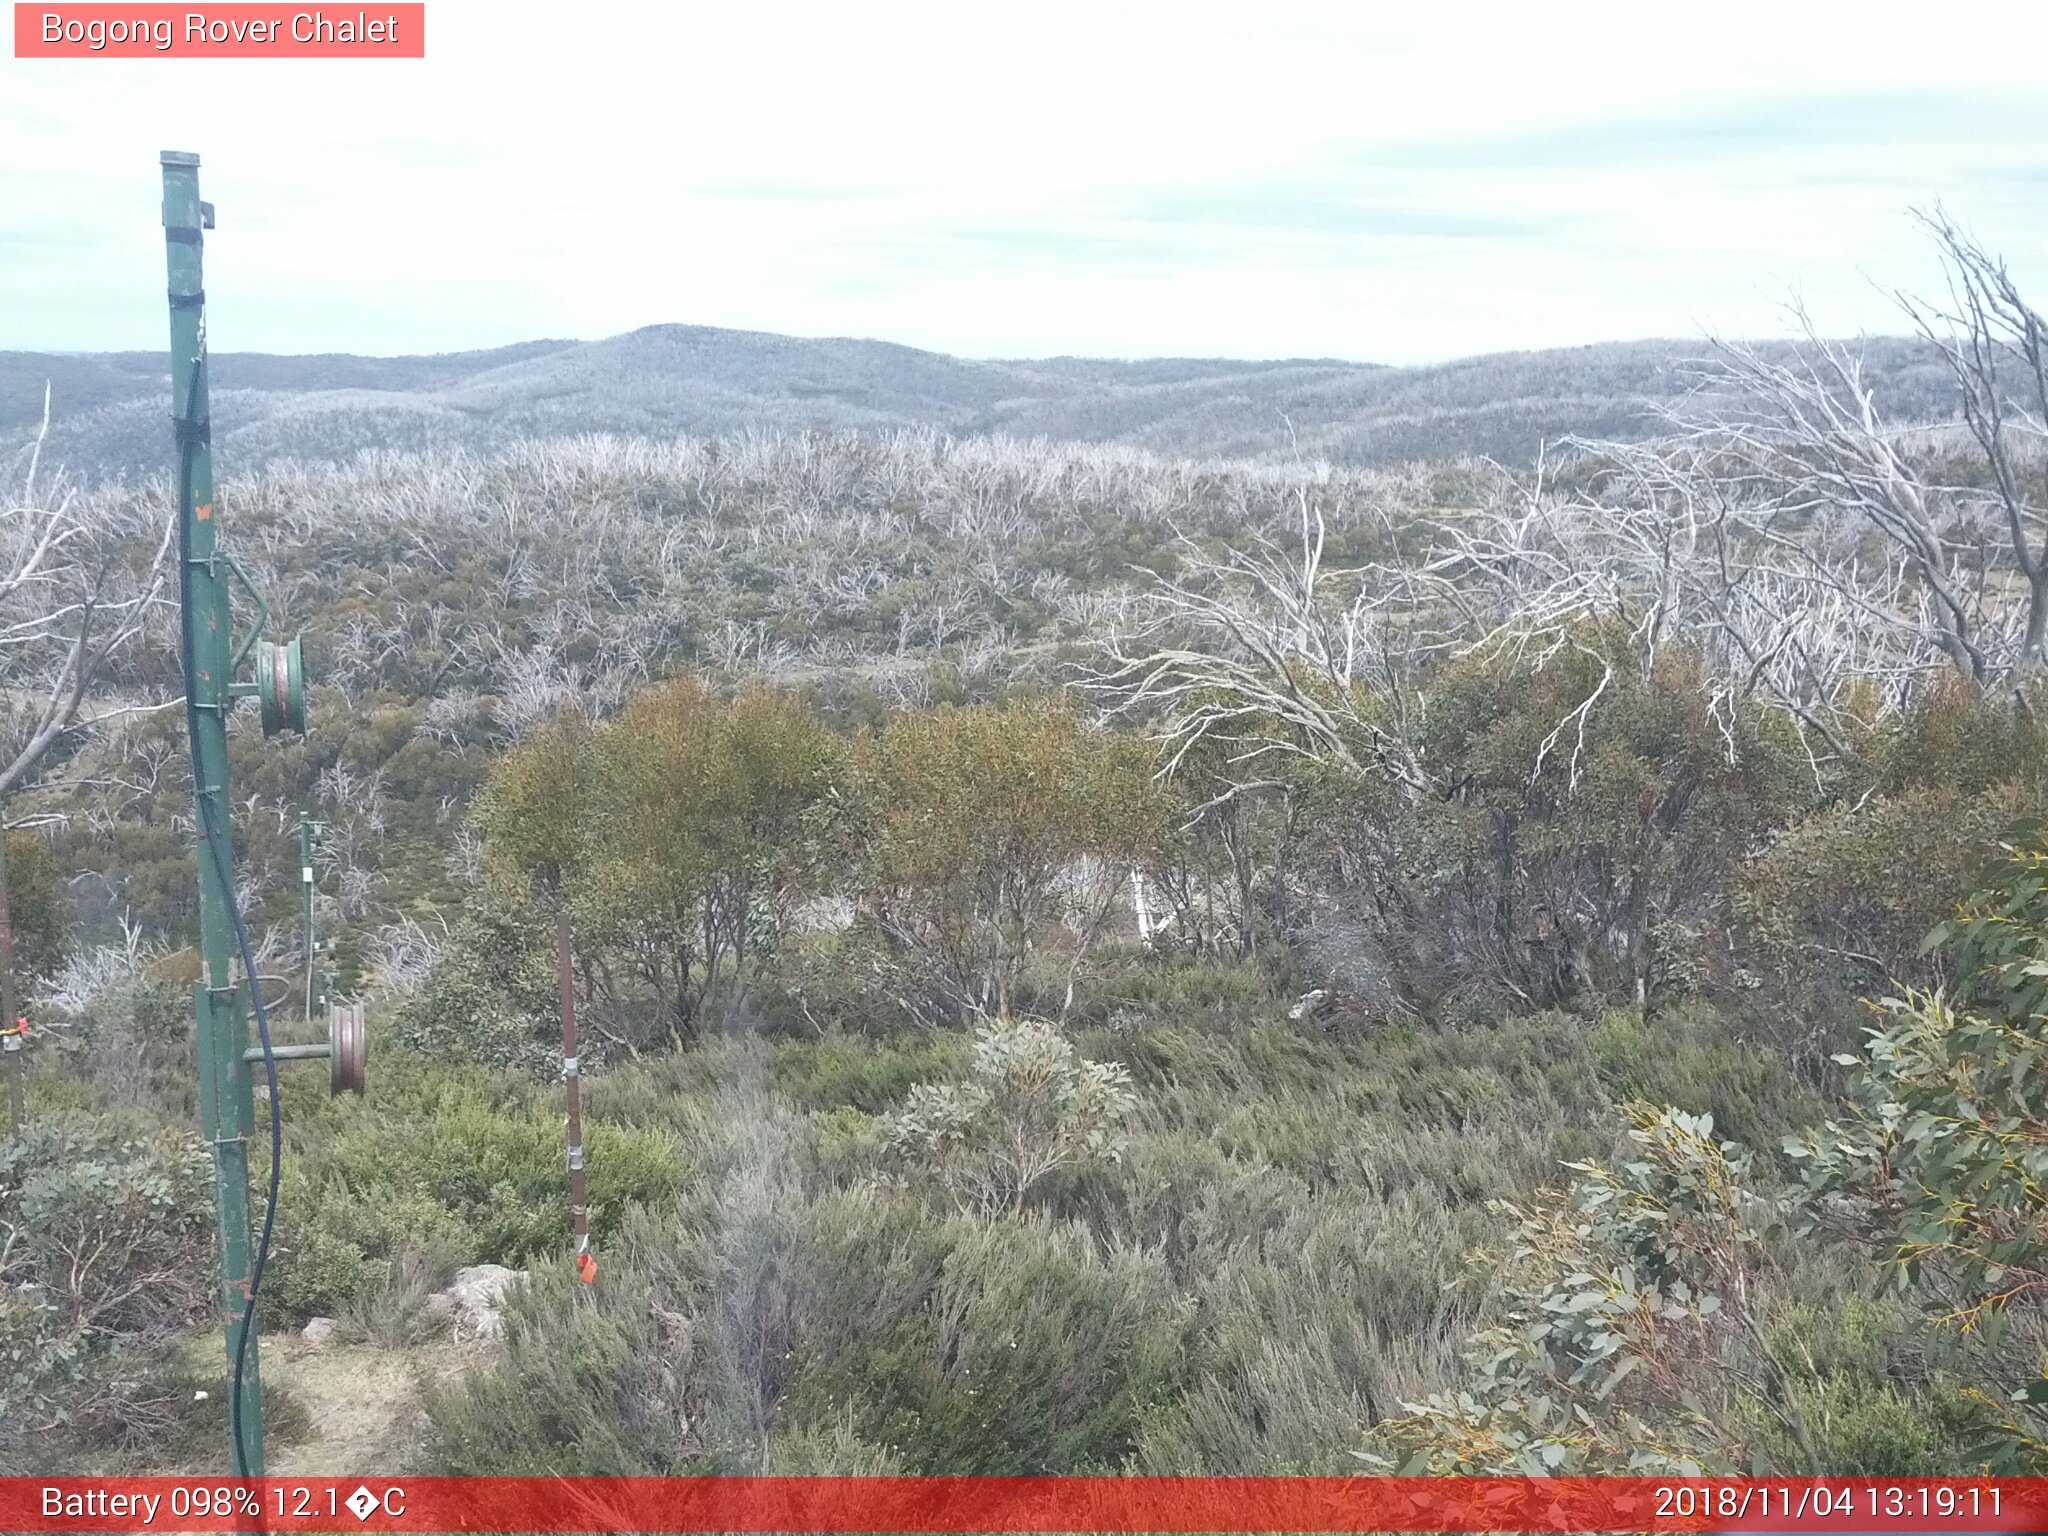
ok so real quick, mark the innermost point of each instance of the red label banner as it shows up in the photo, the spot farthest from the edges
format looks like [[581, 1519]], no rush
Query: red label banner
[[964, 1504], [223, 31]]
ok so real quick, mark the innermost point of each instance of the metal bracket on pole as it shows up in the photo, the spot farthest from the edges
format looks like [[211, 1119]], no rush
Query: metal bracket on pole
[[255, 629]]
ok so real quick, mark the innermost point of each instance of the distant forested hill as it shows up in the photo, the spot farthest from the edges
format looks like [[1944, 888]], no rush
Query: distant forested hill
[[109, 408]]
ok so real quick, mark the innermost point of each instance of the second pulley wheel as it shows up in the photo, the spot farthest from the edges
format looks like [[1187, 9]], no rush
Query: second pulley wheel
[[348, 1045]]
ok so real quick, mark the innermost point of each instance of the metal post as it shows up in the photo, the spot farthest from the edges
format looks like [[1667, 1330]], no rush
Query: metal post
[[17, 1099], [572, 1090], [227, 1111], [306, 885], [10, 1046]]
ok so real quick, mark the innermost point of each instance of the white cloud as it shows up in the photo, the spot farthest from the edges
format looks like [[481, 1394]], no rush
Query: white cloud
[[1123, 178]]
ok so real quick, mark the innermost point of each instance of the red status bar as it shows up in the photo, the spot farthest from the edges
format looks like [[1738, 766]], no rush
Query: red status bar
[[945, 1504]]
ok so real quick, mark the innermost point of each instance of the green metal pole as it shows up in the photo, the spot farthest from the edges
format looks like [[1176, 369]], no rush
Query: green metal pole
[[306, 885], [227, 1111]]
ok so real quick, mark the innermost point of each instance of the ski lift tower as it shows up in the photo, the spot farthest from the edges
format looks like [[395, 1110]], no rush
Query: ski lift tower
[[210, 658]]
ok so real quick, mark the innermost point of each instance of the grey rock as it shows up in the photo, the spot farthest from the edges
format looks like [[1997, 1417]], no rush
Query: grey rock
[[1311, 1005], [478, 1294]]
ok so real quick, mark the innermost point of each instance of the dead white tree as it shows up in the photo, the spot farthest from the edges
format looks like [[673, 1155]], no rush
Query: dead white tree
[[1996, 345], [1267, 654], [1807, 547], [71, 598], [1651, 538], [69, 603], [1795, 540], [402, 953], [1798, 451]]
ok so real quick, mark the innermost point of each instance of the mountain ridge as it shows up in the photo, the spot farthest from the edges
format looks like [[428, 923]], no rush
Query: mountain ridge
[[674, 378]]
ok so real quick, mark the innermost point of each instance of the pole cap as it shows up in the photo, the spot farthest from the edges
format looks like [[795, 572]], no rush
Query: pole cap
[[177, 157]]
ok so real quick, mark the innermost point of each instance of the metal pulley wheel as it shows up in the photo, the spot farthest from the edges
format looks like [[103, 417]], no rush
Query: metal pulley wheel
[[348, 1048], [281, 686]]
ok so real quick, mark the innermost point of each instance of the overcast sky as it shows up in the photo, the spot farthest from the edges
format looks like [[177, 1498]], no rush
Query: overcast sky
[[1012, 180]]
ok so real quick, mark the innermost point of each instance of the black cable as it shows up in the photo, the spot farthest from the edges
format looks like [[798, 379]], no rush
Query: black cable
[[188, 438]]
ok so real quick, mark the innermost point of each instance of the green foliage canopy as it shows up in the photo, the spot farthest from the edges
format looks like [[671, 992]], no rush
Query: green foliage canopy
[[986, 824]]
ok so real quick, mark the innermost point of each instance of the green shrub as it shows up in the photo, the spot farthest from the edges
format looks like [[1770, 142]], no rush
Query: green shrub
[[1315, 1318], [973, 1349], [398, 1309], [1937, 1159], [106, 1251], [1029, 1106], [441, 1166], [1876, 1394], [1846, 897], [136, 1041], [491, 996], [1586, 802], [342, 1240], [40, 906], [1638, 1277], [756, 1323], [997, 831], [1704, 1058], [575, 1391], [1145, 987], [831, 1449], [1954, 736], [834, 1070], [500, 1173], [1178, 1193]]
